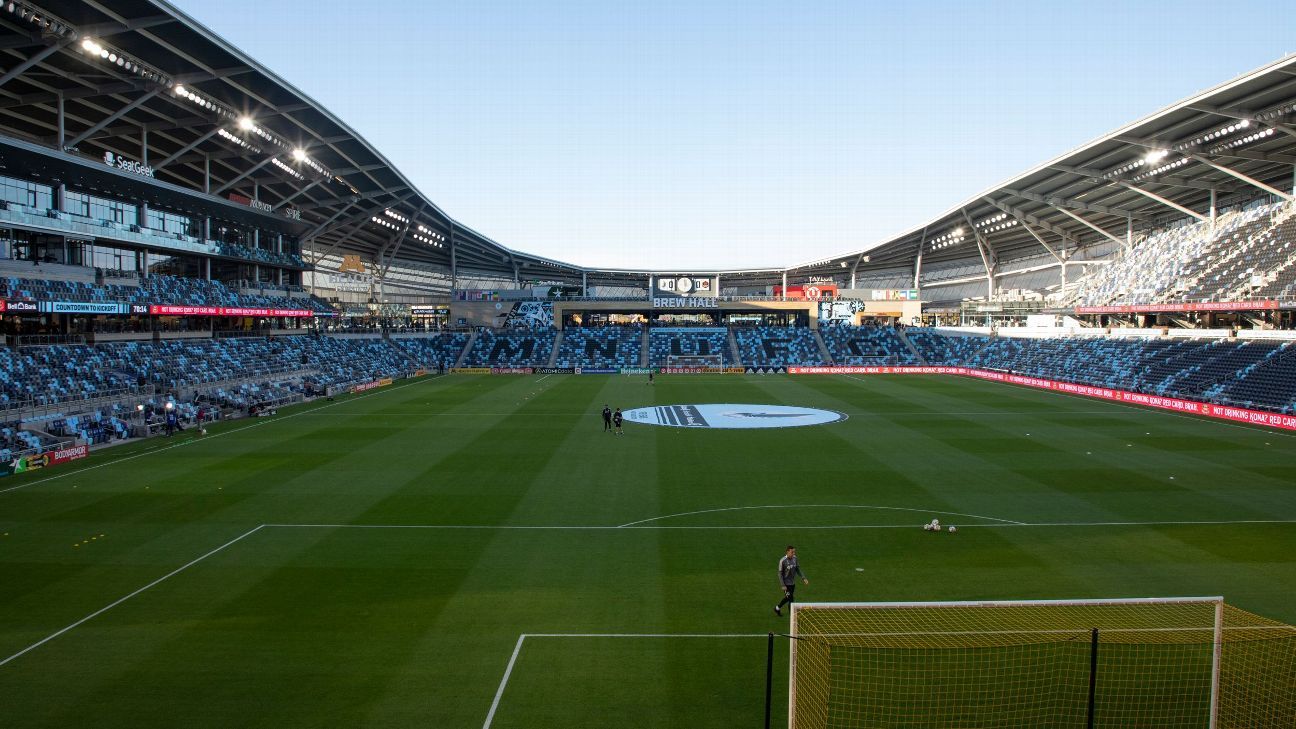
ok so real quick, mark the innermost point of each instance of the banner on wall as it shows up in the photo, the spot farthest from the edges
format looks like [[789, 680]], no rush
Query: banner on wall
[[1258, 305], [170, 310], [23, 464]]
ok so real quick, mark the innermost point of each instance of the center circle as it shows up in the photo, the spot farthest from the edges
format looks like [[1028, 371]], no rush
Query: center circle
[[731, 416]]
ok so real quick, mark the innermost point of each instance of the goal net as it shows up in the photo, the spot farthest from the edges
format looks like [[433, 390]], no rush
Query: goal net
[[1165, 662]]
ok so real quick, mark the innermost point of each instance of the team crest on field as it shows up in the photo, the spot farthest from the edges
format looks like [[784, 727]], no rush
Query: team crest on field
[[732, 416]]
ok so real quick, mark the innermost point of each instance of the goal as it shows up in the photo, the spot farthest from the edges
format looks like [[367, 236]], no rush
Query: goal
[[1165, 662]]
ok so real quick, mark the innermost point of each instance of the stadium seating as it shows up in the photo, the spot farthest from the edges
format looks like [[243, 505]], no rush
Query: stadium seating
[[777, 346], [512, 348], [610, 347], [665, 344], [154, 289], [435, 351], [938, 349], [866, 346]]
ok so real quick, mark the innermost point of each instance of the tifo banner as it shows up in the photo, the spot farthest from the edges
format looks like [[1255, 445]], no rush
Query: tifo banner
[[372, 385], [169, 310], [511, 370], [1257, 305], [1220, 412], [554, 370], [470, 370]]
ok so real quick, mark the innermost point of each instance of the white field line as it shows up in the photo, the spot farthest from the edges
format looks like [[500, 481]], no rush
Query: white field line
[[819, 506], [205, 438], [542, 379], [1002, 524], [508, 671], [121, 600], [499, 693]]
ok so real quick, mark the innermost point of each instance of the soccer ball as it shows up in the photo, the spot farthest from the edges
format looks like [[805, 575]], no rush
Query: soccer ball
[[936, 523], [927, 527], [202, 431], [953, 529]]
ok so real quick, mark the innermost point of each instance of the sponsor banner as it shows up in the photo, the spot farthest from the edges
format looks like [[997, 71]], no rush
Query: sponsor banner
[[809, 292], [169, 310], [596, 371], [78, 307], [23, 464], [420, 373], [894, 294], [1257, 305], [765, 371], [727, 416], [372, 385], [1220, 412], [735, 371], [512, 370], [697, 370], [470, 370], [635, 370], [21, 307], [554, 370], [867, 370], [690, 302]]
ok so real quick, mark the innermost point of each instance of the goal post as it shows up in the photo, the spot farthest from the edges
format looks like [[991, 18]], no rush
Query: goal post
[[1169, 662]]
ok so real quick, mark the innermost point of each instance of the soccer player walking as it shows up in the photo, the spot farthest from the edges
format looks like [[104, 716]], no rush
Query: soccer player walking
[[616, 420], [607, 418], [789, 570]]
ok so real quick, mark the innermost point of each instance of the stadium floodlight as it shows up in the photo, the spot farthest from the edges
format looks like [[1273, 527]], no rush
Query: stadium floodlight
[[245, 123], [1154, 156], [299, 154]]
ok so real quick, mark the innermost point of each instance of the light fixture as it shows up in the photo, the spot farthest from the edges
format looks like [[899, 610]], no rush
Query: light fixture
[[299, 154], [245, 123]]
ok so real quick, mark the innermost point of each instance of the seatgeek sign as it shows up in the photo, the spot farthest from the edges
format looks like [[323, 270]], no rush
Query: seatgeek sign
[[1210, 410]]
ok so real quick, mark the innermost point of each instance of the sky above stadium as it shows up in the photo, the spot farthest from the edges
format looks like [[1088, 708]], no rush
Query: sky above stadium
[[689, 134]]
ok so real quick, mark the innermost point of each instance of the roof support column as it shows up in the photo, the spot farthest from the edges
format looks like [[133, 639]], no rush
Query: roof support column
[[1089, 225], [584, 283], [987, 255], [1249, 180], [922, 245], [785, 285], [1212, 207], [61, 133], [454, 262]]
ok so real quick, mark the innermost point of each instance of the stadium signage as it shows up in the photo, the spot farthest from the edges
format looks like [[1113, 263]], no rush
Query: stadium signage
[[554, 370], [169, 310], [118, 162], [669, 286], [372, 385], [635, 370], [765, 371], [255, 204], [22, 464], [596, 371], [470, 370], [76, 307], [512, 370], [1220, 412], [1258, 305], [139, 308], [691, 302], [732, 417], [22, 307]]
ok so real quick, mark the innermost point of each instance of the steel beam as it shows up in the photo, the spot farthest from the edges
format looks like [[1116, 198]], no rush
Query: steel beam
[[1162, 200], [1242, 177]]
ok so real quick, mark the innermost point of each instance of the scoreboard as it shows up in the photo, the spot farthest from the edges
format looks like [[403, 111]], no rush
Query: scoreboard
[[684, 285]]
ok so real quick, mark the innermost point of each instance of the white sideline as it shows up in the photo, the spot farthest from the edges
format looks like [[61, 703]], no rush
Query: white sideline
[[121, 600], [508, 671], [819, 506], [264, 421]]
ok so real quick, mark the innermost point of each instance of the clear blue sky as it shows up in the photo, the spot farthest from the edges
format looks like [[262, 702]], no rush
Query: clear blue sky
[[688, 133]]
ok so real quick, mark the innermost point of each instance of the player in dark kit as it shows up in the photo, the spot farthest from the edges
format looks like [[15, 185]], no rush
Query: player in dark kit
[[650, 377], [616, 420], [607, 418], [789, 570]]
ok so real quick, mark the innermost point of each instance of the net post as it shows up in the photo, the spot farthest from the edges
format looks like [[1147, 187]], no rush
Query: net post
[[792, 651], [1218, 649], [769, 678], [1093, 677]]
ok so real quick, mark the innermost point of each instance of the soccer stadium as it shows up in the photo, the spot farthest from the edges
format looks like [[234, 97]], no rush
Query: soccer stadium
[[285, 444]]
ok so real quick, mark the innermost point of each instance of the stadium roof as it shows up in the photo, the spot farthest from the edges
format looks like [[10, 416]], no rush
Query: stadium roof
[[139, 76]]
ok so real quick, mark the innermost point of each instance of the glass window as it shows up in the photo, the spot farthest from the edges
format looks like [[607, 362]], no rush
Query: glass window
[[22, 192]]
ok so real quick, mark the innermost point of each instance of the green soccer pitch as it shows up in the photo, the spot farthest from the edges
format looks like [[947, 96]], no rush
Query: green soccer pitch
[[470, 549]]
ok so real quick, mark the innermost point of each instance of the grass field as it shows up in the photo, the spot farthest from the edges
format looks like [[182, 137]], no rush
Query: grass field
[[376, 561]]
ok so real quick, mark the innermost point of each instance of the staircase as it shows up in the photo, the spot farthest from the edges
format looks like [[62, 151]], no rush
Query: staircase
[[917, 355], [733, 348], [553, 356], [823, 348], [472, 339], [643, 349]]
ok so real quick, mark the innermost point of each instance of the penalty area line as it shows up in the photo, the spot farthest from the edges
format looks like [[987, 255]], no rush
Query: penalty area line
[[121, 600], [517, 650]]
